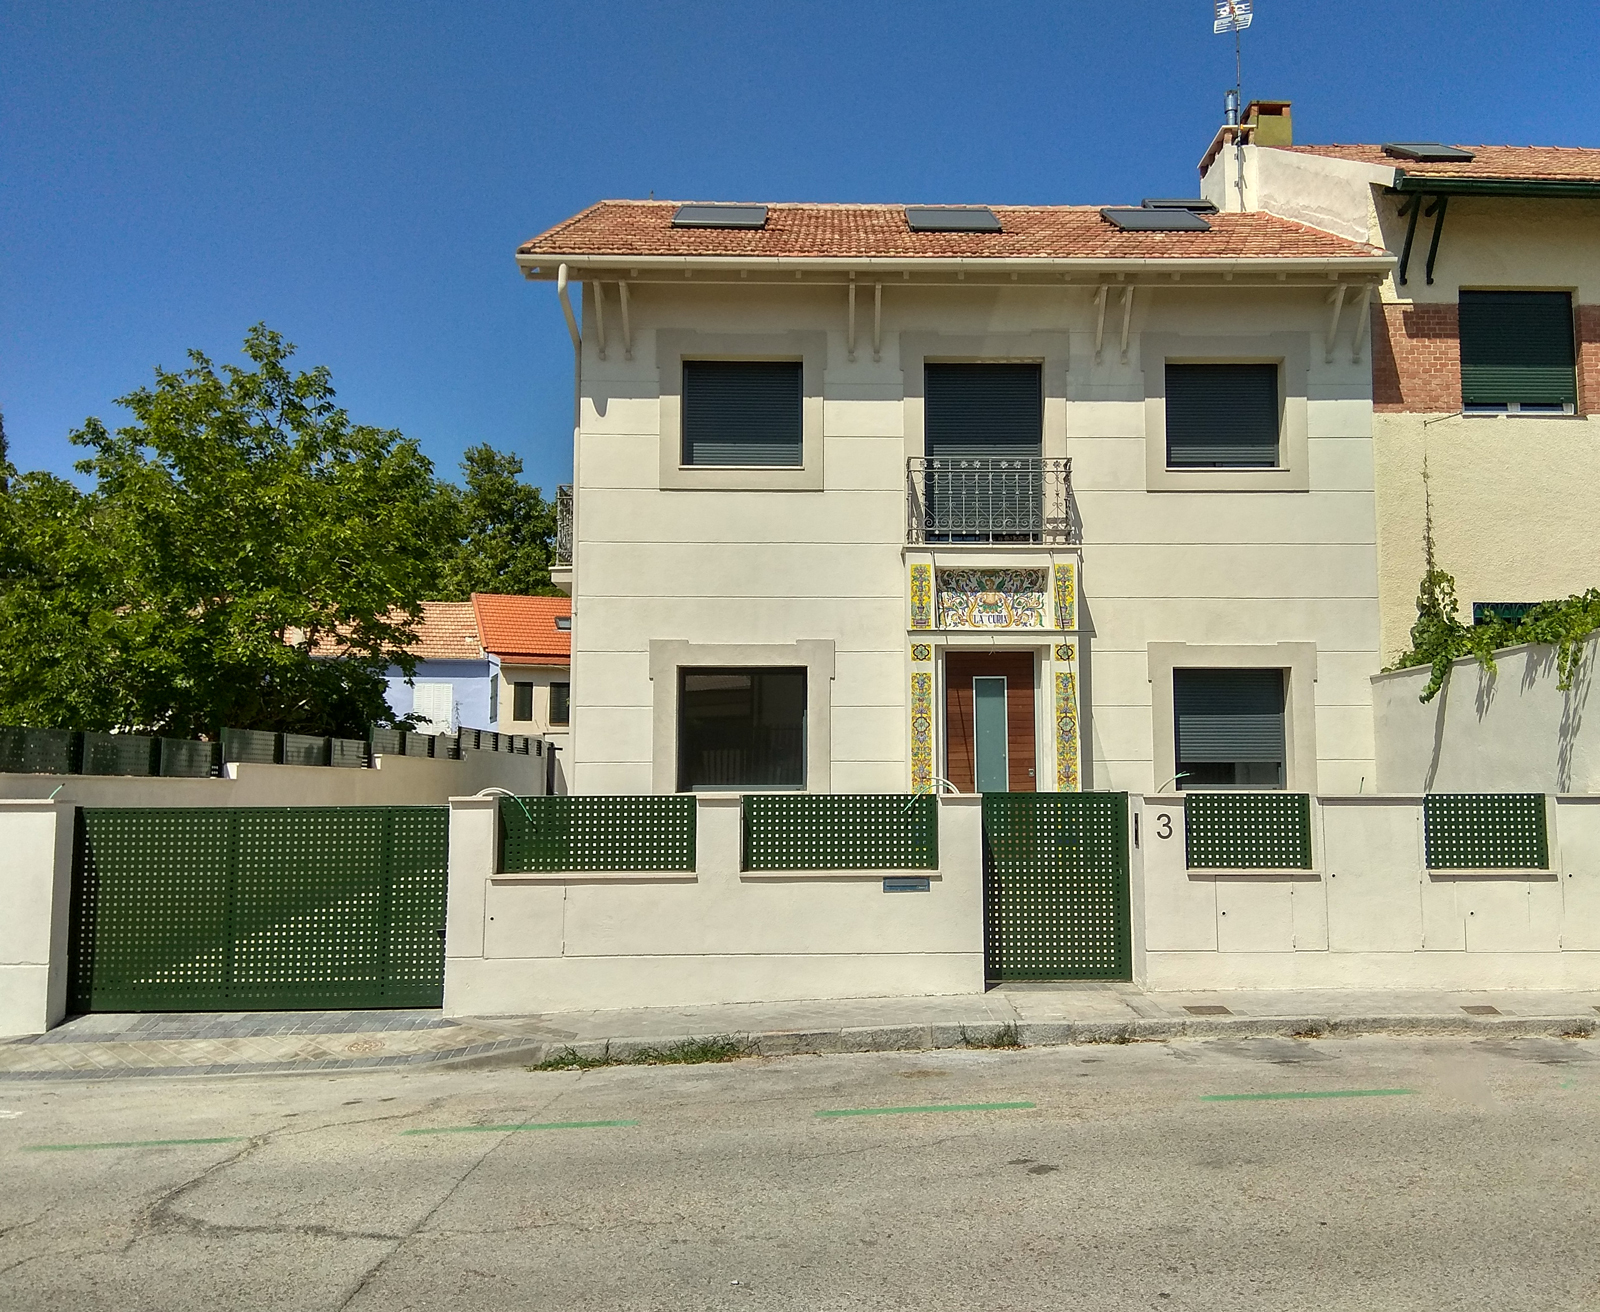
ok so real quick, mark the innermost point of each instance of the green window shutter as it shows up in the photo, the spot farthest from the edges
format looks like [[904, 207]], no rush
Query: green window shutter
[[977, 411], [522, 701], [742, 412], [1517, 346], [1229, 715], [1222, 415], [560, 703]]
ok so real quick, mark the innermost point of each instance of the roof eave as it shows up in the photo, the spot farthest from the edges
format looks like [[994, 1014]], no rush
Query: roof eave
[[1434, 184], [543, 265]]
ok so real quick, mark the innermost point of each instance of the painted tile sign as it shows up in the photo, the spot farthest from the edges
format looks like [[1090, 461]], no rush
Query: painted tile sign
[[992, 599]]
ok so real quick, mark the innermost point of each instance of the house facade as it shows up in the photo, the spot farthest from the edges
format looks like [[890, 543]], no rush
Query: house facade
[[1486, 347], [883, 499], [530, 639]]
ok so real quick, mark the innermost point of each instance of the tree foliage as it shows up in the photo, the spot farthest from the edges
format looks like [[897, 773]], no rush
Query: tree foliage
[[504, 530], [239, 529]]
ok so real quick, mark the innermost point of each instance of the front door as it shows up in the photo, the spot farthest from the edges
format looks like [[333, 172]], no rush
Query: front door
[[989, 722]]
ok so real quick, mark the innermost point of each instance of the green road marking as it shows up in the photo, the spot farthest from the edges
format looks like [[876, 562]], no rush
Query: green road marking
[[1314, 1093], [127, 1143], [937, 1107], [529, 1125]]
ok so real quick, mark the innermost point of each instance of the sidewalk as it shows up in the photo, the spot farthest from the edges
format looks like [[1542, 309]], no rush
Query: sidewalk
[[226, 1043]]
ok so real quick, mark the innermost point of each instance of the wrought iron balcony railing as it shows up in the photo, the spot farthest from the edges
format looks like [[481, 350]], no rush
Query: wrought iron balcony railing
[[988, 499], [564, 524]]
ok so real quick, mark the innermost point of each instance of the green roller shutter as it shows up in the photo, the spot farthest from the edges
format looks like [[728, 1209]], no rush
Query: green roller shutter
[[742, 412], [978, 411], [1517, 347], [1229, 715], [1222, 415]]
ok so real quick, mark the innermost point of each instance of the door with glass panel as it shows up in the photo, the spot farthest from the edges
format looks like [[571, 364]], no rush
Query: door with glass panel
[[989, 722]]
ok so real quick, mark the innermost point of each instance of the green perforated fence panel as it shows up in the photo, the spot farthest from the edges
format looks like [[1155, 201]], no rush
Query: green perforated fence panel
[[244, 909], [595, 832], [1486, 831], [1248, 831], [1056, 901], [841, 831], [120, 753], [39, 751]]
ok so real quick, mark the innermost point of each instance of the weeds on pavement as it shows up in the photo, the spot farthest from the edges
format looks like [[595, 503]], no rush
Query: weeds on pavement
[[685, 1052]]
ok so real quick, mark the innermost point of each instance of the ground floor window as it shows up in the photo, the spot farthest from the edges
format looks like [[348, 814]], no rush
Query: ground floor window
[[1230, 729], [741, 728], [560, 703]]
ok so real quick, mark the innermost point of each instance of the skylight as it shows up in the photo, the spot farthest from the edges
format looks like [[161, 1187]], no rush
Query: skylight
[[1425, 151], [1196, 205], [564, 622], [720, 216], [951, 218], [1130, 219]]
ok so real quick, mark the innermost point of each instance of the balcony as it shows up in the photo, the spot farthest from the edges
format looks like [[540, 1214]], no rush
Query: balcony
[[1021, 499], [563, 554]]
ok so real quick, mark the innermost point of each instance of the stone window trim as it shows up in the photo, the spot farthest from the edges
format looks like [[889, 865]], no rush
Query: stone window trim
[[669, 655], [1297, 660], [1048, 349], [674, 346], [1291, 351]]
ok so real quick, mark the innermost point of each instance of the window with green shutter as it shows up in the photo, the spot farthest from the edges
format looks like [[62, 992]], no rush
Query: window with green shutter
[[1230, 730], [1222, 416], [742, 412], [983, 411], [1517, 351]]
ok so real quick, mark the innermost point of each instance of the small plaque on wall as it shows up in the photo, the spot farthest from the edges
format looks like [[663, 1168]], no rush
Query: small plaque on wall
[[907, 884]]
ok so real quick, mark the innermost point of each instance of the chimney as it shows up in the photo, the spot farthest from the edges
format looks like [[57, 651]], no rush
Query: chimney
[[1270, 122]]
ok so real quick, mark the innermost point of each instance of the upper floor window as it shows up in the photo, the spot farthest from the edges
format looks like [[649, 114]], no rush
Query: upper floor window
[[742, 412], [560, 703], [522, 701], [1222, 416], [974, 411], [1517, 353]]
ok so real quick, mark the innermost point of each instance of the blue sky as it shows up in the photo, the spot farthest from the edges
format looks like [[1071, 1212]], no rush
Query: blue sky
[[359, 175]]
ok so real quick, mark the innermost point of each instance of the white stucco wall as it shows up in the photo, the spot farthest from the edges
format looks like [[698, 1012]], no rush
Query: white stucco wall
[[1204, 567], [1369, 914], [528, 943], [1513, 730]]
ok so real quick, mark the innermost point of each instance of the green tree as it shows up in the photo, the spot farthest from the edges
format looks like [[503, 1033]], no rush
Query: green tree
[[236, 536], [504, 530]]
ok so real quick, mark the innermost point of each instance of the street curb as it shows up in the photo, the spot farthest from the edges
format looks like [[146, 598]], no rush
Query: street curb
[[987, 1034]]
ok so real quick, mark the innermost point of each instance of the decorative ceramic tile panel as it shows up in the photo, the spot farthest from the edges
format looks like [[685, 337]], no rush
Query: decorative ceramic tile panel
[[1065, 651], [1066, 732], [922, 596], [1066, 596], [991, 598], [921, 651], [921, 732]]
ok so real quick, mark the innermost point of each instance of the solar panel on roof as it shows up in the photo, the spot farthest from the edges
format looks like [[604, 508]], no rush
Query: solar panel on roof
[[1197, 205], [1425, 151], [720, 216], [951, 218], [1142, 220]]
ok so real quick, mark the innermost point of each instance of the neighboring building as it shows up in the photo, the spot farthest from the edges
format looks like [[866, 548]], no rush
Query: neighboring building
[[530, 638], [495, 662], [870, 497], [1486, 347]]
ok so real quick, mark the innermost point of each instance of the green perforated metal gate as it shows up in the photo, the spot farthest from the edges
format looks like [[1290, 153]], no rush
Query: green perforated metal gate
[[246, 909], [1055, 877]]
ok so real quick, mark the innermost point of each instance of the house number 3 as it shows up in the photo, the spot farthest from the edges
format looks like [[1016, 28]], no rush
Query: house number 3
[[1164, 825]]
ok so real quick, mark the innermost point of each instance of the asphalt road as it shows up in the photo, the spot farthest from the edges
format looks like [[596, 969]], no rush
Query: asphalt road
[[1137, 1178]]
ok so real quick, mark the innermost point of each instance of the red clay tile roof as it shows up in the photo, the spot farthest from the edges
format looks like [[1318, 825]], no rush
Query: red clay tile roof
[[448, 631], [626, 228], [1563, 163], [523, 629]]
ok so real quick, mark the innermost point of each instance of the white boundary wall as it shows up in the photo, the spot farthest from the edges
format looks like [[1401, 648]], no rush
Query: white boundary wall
[[576, 941], [1368, 914]]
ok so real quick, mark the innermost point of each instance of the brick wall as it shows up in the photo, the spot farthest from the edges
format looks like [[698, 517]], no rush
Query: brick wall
[[1416, 358], [1589, 359]]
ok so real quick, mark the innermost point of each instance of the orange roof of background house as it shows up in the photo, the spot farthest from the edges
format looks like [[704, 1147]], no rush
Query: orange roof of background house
[[1523, 163], [448, 631], [523, 629], [625, 228]]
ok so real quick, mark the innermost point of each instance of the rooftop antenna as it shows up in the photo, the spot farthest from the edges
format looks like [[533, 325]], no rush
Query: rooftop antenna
[[1234, 16]]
